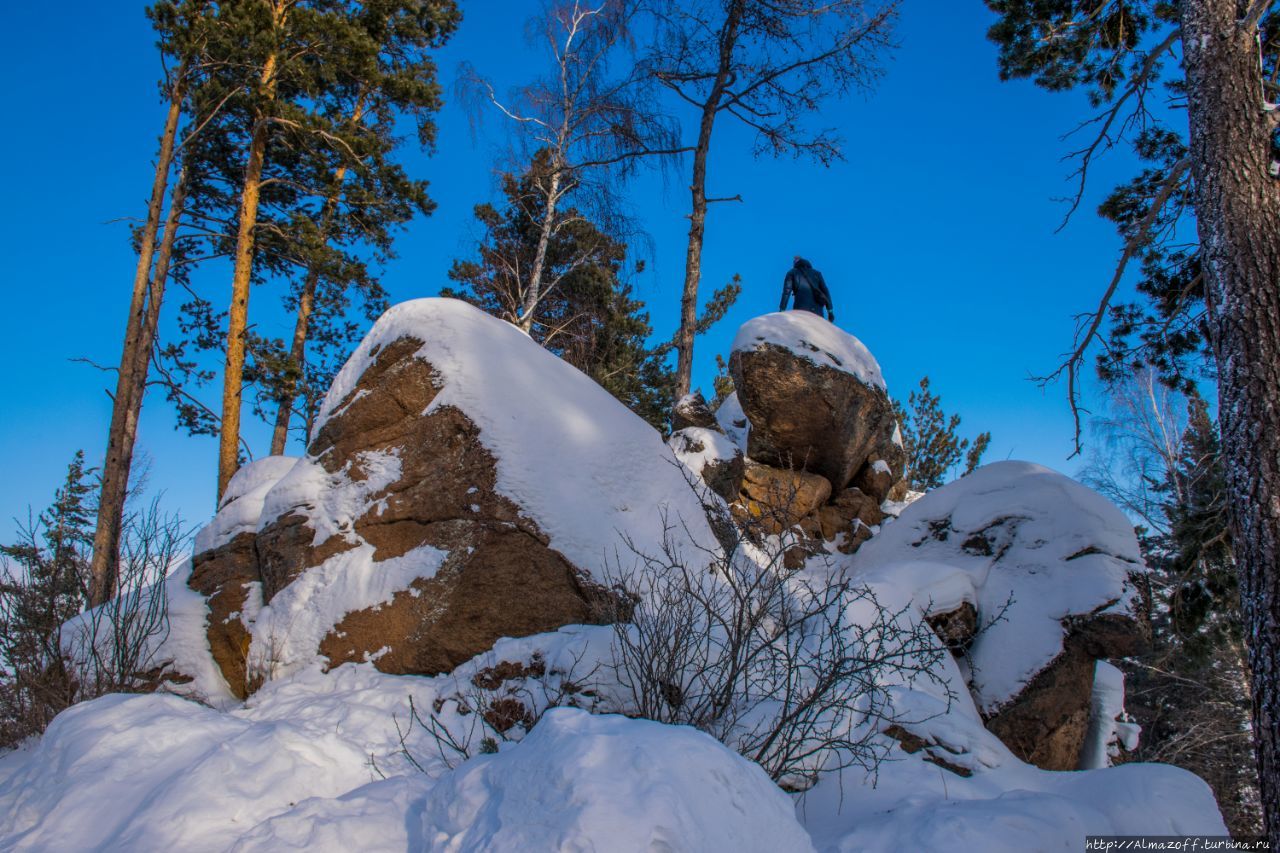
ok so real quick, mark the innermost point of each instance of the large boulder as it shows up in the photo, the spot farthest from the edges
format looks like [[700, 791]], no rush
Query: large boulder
[[462, 484], [816, 401], [1053, 573]]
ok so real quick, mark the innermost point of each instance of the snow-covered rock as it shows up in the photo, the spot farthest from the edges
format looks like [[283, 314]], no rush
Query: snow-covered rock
[[460, 474], [816, 401], [315, 761], [733, 421], [711, 458], [1052, 569], [692, 410], [462, 484]]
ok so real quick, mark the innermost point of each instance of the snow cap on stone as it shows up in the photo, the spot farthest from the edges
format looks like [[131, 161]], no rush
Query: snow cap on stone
[[812, 338]]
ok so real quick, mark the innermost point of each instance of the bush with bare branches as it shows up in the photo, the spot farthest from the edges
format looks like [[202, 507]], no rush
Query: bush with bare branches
[[785, 660]]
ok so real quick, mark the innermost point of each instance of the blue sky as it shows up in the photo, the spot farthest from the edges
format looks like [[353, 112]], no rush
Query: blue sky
[[936, 233]]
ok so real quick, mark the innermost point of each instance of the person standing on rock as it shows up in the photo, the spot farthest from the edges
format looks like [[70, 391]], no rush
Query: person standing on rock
[[809, 288]]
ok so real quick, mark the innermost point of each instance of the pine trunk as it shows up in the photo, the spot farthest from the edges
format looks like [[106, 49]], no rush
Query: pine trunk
[[698, 213], [238, 315], [306, 302], [1238, 216], [134, 357], [693, 257]]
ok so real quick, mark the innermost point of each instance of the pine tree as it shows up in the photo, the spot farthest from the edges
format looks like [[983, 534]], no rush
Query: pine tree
[[930, 438], [1205, 600], [328, 80], [182, 30], [44, 581], [295, 180], [1220, 292], [589, 317], [1190, 692]]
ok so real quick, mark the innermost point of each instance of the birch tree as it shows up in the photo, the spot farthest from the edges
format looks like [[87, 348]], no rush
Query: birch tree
[[578, 129]]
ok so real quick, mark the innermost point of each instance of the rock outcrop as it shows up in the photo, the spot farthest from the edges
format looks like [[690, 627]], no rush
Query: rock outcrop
[[810, 406], [711, 458], [816, 402], [438, 507], [463, 484], [1051, 572], [777, 499]]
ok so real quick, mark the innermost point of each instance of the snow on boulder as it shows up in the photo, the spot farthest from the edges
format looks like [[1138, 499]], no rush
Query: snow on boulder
[[583, 782], [461, 484], [224, 570], [711, 458], [241, 504], [733, 421], [692, 410], [1053, 569], [816, 400]]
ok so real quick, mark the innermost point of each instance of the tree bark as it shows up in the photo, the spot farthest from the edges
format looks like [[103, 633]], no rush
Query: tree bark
[[238, 315], [134, 357], [534, 292], [698, 192], [306, 303], [1238, 216]]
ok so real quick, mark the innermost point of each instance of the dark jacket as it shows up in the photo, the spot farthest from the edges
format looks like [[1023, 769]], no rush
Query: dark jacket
[[809, 288]]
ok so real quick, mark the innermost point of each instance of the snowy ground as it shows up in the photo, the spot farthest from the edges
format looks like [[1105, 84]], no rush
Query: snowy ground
[[334, 761], [315, 762]]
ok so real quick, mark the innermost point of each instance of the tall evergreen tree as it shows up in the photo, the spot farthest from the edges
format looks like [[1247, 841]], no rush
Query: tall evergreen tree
[[183, 30], [295, 180], [1205, 602], [44, 581], [328, 80], [930, 438], [1217, 166], [1162, 462]]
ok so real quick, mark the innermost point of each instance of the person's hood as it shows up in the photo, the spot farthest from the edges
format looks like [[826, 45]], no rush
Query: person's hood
[[803, 264]]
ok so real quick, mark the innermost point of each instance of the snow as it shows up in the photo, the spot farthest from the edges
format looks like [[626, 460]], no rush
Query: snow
[[814, 339], [576, 460], [241, 505], [714, 447], [1058, 549], [186, 645], [734, 421], [331, 502], [1109, 725], [288, 631], [314, 761], [586, 782], [595, 478], [1006, 806], [330, 760]]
